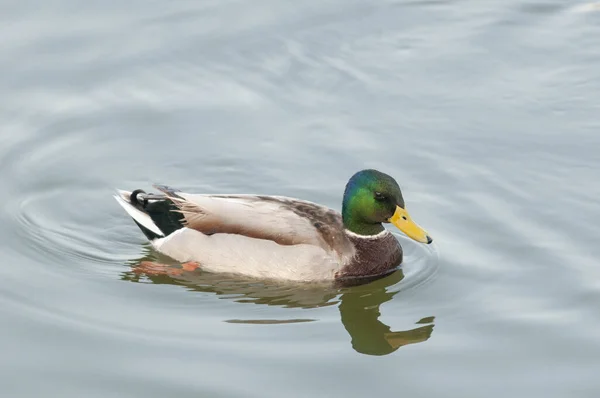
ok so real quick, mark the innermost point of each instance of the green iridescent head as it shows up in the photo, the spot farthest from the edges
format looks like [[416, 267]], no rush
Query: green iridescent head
[[372, 198]]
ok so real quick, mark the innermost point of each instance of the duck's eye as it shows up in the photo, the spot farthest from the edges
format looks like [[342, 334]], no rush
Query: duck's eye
[[379, 196]]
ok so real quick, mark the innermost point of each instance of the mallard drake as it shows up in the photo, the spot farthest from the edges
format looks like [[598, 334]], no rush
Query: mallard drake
[[278, 237]]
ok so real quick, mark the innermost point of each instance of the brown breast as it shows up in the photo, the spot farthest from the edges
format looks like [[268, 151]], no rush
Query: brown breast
[[373, 256]]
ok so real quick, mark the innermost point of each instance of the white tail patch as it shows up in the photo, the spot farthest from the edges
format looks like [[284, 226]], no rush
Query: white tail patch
[[136, 214]]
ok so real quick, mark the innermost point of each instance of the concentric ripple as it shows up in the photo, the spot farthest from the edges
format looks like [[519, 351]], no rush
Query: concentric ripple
[[67, 228]]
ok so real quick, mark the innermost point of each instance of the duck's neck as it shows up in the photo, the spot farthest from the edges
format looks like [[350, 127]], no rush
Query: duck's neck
[[362, 228], [356, 211], [353, 222]]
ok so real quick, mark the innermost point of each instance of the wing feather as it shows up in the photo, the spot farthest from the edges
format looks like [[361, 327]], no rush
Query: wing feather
[[286, 221]]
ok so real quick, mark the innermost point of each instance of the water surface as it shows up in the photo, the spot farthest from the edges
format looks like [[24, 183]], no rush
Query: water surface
[[487, 114]]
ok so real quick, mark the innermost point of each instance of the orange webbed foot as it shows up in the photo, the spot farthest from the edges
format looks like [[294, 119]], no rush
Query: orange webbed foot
[[152, 268]]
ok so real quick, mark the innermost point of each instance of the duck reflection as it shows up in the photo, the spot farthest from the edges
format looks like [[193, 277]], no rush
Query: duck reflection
[[359, 302], [360, 311]]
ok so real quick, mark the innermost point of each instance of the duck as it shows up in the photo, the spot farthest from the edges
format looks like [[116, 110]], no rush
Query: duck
[[279, 237]]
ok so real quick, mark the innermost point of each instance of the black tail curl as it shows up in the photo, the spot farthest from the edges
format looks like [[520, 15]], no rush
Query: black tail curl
[[160, 208]]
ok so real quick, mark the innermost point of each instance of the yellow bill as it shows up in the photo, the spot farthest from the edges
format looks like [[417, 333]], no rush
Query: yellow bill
[[401, 219]]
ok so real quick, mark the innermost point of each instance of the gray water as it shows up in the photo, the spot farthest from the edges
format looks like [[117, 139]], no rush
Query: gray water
[[487, 113]]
